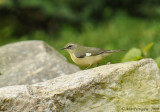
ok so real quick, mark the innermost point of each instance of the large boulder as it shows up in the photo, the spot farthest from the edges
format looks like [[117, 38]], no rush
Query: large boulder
[[29, 62], [131, 86]]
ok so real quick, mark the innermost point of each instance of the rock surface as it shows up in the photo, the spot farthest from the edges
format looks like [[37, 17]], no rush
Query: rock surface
[[109, 88], [29, 62]]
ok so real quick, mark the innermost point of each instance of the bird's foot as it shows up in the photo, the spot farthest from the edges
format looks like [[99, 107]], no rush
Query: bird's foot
[[108, 63], [88, 67]]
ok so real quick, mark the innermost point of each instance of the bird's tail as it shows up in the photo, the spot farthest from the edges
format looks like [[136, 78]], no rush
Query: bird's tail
[[113, 51]]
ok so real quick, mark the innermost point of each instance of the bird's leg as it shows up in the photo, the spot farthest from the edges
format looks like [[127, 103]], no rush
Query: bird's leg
[[97, 64], [108, 63], [89, 66]]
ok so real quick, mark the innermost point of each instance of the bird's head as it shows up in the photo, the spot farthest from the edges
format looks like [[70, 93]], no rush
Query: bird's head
[[70, 47]]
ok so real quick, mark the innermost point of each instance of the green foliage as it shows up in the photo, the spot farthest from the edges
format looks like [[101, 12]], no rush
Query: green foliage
[[146, 49], [51, 15], [85, 10], [63, 9], [158, 61], [5, 34], [136, 54], [108, 24], [121, 32], [132, 55]]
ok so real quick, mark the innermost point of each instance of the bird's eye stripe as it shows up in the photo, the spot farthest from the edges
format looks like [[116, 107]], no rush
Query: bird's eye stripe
[[88, 54], [69, 46]]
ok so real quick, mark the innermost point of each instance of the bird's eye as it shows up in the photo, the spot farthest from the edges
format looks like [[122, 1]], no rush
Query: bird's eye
[[69, 46]]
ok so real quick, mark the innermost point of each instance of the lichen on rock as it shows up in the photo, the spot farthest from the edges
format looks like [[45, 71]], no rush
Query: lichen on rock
[[131, 86]]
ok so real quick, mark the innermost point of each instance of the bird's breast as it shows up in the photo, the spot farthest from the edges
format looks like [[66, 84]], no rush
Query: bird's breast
[[87, 60]]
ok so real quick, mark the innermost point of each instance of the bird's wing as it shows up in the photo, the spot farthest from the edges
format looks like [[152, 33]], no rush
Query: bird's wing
[[88, 51]]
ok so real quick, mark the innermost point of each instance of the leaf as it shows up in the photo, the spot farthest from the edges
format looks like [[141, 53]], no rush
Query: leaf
[[132, 55], [158, 61], [146, 49]]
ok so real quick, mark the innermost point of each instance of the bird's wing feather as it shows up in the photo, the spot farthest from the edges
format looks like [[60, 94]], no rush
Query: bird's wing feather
[[88, 51]]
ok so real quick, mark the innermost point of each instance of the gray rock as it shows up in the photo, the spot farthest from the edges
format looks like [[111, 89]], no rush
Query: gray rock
[[109, 88], [29, 62]]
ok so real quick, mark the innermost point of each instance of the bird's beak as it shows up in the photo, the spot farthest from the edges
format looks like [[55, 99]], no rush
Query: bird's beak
[[63, 48]]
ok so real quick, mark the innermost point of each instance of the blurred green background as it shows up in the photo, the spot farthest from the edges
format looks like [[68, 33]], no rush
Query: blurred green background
[[131, 25]]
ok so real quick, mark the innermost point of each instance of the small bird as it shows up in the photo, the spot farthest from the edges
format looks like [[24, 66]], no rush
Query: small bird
[[87, 56]]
